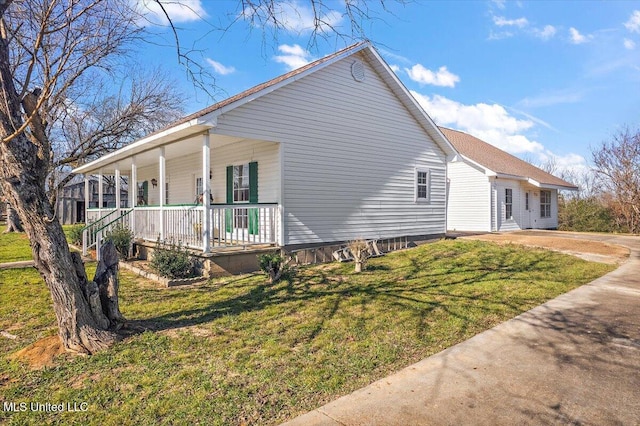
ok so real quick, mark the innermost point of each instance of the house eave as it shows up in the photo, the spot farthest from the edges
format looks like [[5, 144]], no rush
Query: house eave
[[190, 128]]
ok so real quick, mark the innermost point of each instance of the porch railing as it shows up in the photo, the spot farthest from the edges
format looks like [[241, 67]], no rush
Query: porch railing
[[237, 225], [100, 224]]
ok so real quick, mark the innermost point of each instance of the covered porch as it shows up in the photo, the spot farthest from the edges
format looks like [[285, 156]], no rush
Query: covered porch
[[171, 175]]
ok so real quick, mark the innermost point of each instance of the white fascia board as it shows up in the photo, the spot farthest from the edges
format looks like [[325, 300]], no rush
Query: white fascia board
[[512, 177], [165, 137], [444, 143], [468, 160], [550, 186]]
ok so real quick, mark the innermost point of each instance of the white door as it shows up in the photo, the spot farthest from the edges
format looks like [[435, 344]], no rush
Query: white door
[[526, 214]]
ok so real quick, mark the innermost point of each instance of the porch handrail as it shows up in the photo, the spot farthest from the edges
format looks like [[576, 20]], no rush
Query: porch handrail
[[91, 233], [98, 231], [100, 219]]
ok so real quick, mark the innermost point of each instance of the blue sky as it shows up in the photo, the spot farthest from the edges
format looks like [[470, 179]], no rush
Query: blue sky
[[539, 79]]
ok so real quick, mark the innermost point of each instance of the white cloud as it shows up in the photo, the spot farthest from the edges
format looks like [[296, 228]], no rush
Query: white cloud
[[219, 68], [394, 68], [443, 77], [293, 56], [293, 16], [552, 98], [494, 124], [633, 24], [629, 44], [546, 33], [501, 21], [491, 123], [499, 35], [500, 4], [577, 38], [178, 11]]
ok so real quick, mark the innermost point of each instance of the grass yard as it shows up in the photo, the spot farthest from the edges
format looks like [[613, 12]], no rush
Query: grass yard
[[15, 245], [239, 351]]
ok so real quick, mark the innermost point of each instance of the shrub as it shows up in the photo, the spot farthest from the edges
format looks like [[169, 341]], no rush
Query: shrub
[[121, 237], [274, 266], [75, 234], [585, 215], [173, 261]]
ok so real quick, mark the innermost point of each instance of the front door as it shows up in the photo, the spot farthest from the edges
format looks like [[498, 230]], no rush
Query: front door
[[526, 214]]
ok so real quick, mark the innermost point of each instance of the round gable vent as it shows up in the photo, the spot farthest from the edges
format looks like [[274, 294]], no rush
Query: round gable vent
[[357, 71]]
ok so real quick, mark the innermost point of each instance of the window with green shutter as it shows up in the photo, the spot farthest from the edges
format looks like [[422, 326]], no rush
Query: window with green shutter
[[242, 187]]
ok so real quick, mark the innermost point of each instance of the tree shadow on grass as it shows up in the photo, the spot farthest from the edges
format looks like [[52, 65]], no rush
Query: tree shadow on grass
[[420, 290]]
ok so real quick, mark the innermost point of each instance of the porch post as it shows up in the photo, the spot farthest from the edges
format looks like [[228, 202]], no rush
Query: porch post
[[161, 188], [86, 199], [117, 189], [206, 192], [133, 193], [100, 192]]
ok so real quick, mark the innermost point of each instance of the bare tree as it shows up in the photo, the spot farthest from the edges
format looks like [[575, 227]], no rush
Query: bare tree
[[617, 164], [91, 124], [46, 48]]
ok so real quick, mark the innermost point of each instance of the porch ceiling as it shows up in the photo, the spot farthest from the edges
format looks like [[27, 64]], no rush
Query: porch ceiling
[[123, 158]]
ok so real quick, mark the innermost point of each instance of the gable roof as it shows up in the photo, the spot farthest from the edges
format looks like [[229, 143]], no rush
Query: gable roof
[[347, 51], [500, 162], [206, 118]]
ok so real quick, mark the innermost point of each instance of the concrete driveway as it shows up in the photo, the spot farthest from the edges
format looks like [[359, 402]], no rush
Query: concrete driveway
[[574, 360]]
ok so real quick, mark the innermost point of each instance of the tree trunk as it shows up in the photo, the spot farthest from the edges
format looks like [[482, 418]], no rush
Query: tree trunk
[[24, 162], [13, 221], [106, 279]]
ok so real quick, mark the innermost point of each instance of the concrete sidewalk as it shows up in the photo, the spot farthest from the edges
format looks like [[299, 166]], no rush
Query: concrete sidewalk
[[574, 360]]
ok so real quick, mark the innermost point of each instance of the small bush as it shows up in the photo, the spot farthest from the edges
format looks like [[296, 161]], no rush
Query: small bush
[[122, 238], [274, 266], [75, 234], [173, 261]]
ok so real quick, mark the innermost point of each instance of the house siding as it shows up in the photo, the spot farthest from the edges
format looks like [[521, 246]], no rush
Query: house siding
[[513, 223], [181, 172], [469, 203], [350, 150]]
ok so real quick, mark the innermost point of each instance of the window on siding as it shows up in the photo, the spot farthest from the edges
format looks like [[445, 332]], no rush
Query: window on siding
[[199, 188], [526, 201], [545, 203], [241, 183], [508, 203], [166, 192], [422, 183]]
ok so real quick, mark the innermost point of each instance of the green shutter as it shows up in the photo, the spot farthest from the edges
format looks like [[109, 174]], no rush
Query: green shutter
[[228, 213], [253, 182], [253, 198], [229, 184], [145, 193]]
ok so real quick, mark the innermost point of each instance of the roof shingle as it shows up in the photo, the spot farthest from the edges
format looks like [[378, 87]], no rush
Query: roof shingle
[[499, 161]]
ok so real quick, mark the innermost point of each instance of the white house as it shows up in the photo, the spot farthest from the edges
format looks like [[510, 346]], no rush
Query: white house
[[332, 151], [490, 190]]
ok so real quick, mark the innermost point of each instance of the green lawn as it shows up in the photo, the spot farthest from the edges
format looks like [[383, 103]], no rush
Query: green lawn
[[15, 245], [239, 351]]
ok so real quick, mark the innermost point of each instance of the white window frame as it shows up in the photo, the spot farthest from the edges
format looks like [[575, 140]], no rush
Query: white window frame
[[417, 185], [508, 205], [545, 206], [201, 186], [237, 191]]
